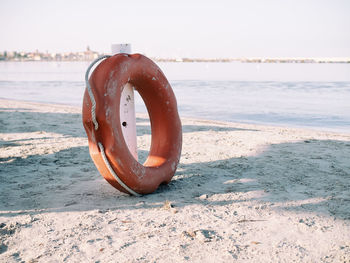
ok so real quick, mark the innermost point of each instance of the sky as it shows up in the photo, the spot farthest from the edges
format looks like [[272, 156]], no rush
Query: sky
[[181, 28]]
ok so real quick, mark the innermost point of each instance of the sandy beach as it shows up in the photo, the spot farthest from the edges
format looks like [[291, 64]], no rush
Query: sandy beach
[[242, 193]]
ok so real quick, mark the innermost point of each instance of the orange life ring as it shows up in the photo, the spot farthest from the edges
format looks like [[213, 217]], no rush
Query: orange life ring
[[107, 146]]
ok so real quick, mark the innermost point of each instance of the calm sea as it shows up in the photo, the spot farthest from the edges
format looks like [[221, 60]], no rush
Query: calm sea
[[295, 95]]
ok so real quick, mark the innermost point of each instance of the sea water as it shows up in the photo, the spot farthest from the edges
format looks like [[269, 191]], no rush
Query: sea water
[[295, 95]]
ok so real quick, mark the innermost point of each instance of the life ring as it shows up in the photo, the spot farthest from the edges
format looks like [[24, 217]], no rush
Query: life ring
[[102, 123]]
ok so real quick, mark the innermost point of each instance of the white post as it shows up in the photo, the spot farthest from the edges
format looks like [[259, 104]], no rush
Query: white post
[[127, 107]]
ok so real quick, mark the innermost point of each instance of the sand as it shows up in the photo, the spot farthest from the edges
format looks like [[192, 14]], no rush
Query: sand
[[242, 193]]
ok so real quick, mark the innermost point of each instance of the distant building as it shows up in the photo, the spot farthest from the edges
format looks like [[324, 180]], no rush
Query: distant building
[[90, 55]]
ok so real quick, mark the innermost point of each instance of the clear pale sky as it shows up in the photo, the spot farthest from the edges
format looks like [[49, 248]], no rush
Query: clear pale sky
[[184, 28]]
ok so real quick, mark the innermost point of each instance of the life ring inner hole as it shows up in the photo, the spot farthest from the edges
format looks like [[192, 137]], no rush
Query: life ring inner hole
[[143, 129]]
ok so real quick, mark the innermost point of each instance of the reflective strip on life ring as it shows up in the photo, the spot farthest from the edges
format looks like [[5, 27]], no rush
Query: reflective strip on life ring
[[107, 82]]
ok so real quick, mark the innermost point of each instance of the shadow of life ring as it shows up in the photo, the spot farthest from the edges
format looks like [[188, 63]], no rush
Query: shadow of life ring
[[102, 123]]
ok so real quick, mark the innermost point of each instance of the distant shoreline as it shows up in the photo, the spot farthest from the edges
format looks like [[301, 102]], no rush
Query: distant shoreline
[[224, 60], [257, 60], [199, 60], [90, 55]]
